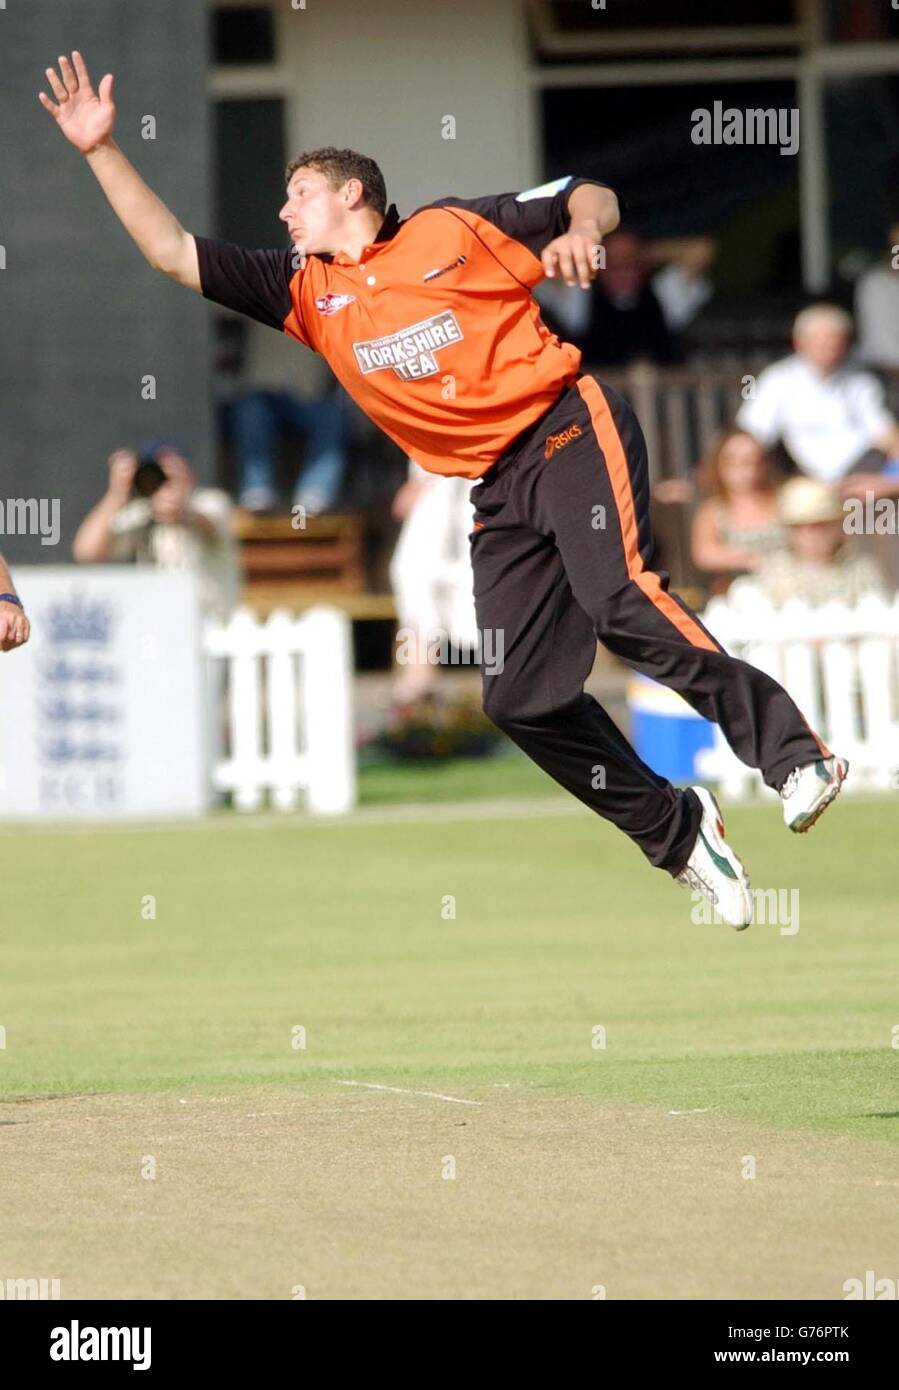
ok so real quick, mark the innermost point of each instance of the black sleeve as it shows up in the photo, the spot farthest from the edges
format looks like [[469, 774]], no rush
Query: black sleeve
[[255, 283], [535, 217]]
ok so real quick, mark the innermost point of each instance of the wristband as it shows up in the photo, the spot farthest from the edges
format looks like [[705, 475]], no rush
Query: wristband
[[12, 598]]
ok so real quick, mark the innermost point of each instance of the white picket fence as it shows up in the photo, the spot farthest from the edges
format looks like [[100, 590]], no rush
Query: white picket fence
[[283, 689], [840, 666]]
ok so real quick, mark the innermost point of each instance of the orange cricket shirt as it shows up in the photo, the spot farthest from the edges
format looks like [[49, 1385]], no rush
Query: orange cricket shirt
[[434, 331]]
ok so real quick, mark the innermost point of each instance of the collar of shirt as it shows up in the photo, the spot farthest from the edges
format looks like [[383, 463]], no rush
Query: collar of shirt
[[386, 232], [845, 373]]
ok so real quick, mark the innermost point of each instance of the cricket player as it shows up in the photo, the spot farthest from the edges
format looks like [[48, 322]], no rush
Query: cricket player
[[430, 325]]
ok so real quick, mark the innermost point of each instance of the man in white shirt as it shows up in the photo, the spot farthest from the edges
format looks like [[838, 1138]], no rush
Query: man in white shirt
[[829, 414]]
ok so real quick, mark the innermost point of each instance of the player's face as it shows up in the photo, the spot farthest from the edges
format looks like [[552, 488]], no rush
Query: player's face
[[313, 212]]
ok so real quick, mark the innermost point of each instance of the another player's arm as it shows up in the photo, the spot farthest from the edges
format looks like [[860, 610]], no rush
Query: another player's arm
[[14, 626], [86, 118], [594, 212]]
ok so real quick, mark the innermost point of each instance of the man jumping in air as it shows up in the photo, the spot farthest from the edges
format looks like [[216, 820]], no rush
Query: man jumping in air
[[430, 325]]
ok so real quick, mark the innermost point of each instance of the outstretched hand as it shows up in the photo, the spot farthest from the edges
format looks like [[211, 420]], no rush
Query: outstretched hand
[[85, 117], [577, 255], [15, 628]]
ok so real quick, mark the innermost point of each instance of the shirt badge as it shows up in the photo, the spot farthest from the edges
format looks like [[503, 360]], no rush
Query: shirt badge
[[434, 274], [331, 303]]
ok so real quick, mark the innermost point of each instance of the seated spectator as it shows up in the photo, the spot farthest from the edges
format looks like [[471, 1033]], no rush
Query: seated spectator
[[15, 628], [819, 565], [153, 513], [738, 525], [830, 415], [877, 309], [282, 390], [626, 322]]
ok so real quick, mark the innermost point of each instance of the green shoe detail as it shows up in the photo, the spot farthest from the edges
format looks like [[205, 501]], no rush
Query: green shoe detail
[[720, 862]]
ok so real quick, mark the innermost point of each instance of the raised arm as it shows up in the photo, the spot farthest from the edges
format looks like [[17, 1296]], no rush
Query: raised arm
[[86, 118], [593, 204], [594, 213], [562, 224], [93, 539]]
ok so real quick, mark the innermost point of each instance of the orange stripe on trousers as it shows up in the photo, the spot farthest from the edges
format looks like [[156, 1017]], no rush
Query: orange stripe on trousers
[[616, 463]]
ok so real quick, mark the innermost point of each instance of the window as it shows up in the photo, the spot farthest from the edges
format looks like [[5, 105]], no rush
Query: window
[[575, 30], [243, 34], [747, 195], [249, 160]]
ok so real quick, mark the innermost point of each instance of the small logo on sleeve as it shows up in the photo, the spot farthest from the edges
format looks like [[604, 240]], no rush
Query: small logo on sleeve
[[330, 303], [545, 190], [555, 442]]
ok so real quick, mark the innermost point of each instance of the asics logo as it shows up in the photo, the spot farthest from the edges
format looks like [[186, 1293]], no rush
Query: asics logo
[[555, 442]]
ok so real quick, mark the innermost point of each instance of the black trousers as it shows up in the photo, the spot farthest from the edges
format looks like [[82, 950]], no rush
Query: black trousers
[[562, 554]]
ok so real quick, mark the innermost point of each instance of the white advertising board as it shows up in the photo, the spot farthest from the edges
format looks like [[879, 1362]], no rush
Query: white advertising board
[[102, 713]]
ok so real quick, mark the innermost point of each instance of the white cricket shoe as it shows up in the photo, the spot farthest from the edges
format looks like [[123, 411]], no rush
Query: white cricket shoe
[[809, 790], [715, 871]]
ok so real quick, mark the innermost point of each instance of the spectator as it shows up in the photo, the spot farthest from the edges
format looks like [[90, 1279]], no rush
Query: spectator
[[877, 309], [626, 321], [682, 285], [15, 628], [818, 565], [738, 525], [829, 415], [638, 317], [282, 391], [153, 513], [430, 574]]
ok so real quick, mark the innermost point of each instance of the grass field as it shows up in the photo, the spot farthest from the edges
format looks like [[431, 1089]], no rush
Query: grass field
[[506, 1156]]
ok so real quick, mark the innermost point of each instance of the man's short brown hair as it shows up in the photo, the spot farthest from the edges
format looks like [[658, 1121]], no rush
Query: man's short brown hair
[[340, 165]]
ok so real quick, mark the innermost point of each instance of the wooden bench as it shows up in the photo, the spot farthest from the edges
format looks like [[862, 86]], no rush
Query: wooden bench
[[286, 564]]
